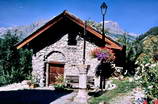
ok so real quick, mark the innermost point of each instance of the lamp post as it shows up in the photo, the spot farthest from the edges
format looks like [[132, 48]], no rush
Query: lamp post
[[103, 8]]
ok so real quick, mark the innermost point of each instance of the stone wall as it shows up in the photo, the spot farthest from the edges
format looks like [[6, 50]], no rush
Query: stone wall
[[62, 52]]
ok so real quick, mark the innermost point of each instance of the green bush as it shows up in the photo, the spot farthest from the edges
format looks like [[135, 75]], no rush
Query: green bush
[[15, 65], [149, 81]]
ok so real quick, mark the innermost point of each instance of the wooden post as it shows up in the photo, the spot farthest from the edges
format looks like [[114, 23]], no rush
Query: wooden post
[[84, 43]]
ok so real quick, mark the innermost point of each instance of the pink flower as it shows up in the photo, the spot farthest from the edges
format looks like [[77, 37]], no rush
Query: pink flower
[[155, 101]]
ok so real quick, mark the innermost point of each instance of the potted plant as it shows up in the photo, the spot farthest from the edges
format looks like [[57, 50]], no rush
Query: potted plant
[[59, 85], [106, 56], [103, 54]]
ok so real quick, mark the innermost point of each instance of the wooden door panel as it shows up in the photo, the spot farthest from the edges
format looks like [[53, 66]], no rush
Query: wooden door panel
[[54, 71], [51, 78]]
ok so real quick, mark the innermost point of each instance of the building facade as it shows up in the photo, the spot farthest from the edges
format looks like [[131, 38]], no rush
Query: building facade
[[58, 48]]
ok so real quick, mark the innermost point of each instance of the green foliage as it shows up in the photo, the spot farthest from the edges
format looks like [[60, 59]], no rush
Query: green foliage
[[148, 68], [60, 87], [142, 52], [149, 81], [152, 31], [132, 51], [15, 65], [123, 39], [149, 49]]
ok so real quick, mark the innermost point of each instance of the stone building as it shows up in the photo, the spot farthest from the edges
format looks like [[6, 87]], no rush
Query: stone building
[[58, 48]]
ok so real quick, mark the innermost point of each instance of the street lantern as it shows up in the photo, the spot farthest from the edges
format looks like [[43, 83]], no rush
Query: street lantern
[[103, 8]]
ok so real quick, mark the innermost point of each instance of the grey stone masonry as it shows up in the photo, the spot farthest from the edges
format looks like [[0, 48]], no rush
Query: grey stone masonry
[[60, 51]]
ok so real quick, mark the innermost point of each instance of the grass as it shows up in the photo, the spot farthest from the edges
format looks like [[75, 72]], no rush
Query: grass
[[122, 87]]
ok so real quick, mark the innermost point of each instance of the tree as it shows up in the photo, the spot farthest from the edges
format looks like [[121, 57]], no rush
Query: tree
[[132, 51], [15, 65]]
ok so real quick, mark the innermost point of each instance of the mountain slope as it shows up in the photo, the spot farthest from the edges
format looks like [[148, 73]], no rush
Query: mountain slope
[[151, 31], [112, 29], [149, 42], [22, 31]]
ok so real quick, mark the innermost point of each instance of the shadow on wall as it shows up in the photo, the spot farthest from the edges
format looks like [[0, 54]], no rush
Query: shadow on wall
[[30, 96]]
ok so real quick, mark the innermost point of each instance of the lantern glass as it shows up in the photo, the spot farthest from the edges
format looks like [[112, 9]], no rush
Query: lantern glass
[[103, 8]]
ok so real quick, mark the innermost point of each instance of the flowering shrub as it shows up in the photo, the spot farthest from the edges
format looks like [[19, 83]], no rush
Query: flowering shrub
[[103, 53], [149, 79]]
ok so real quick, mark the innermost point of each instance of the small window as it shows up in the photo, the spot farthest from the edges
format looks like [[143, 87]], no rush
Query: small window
[[72, 39]]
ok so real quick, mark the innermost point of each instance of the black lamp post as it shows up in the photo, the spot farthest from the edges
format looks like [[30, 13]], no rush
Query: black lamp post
[[103, 8]]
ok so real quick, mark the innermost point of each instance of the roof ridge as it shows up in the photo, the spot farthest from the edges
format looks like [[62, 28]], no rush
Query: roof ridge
[[73, 18]]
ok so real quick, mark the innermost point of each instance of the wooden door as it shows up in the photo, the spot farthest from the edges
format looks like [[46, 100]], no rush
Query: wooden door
[[55, 70]]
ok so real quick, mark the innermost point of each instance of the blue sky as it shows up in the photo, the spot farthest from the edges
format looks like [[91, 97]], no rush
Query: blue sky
[[135, 16]]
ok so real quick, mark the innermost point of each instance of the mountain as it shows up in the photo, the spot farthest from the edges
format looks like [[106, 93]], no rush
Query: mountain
[[115, 31], [22, 31], [2, 30], [112, 29]]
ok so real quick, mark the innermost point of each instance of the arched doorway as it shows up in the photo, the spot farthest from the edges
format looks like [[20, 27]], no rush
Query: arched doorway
[[55, 67]]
